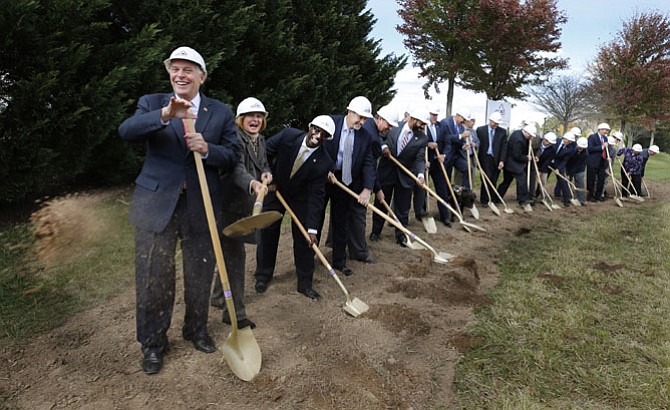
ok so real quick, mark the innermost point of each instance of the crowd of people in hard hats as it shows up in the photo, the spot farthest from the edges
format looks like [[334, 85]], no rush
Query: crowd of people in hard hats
[[341, 160]]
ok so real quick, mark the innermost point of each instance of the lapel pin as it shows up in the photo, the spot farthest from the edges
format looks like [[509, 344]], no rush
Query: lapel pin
[[205, 109]]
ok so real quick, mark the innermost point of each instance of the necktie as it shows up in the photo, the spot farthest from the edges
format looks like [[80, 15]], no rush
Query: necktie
[[404, 141], [347, 158], [559, 148], [433, 133], [602, 141], [298, 160], [489, 151]]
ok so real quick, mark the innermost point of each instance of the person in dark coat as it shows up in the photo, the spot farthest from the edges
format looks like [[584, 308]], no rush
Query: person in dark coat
[[631, 169], [300, 169], [564, 151], [576, 168], [167, 204], [597, 165], [242, 186], [492, 152], [516, 165], [407, 143]]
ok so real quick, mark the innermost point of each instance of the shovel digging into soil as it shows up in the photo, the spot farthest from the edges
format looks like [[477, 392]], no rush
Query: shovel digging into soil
[[570, 185], [439, 257], [240, 349], [355, 307], [257, 220], [410, 244]]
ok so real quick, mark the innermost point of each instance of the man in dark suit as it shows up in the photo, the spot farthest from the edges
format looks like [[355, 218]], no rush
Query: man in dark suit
[[455, 137], [564, 151], [597, 164], [300, 168], [167, 203], [516, 165], [436, 142], [353, 166], [407, 143], [492, 151]]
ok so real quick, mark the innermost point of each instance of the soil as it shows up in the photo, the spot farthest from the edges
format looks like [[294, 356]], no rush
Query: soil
[[400, 354]]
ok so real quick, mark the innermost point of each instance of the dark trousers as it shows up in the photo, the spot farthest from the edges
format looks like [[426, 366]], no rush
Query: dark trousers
[[266, 251], [340, 205], [235, 257], [401, 201], [490, 168], [155, 279], [358, 246], [632, 184], [441, 189], [522, 194], [595, 179]]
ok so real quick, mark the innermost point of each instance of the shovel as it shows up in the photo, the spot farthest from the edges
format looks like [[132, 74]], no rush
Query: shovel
[[473, 210], [451, 189], [439, 257], [257, 220], [410, 244], [428, 221], [543, 191], [633, 195], [240, 349], [573, 200], [355, 307], [646, 188], [618, 195], [465, 225], [491, 205]]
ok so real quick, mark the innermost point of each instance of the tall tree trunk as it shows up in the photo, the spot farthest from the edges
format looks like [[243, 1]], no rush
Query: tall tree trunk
[[450, 96]]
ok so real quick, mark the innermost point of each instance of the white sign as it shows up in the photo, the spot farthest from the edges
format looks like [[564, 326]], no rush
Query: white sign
[[502, 107]]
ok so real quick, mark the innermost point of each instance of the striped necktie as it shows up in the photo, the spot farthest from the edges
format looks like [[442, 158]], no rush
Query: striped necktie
[[404, 141]]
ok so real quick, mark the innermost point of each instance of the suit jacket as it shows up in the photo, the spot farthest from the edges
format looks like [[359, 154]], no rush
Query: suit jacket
[[499, 143], [169, 163], [412, 157], [376, 143], [595, 149], [577, 162], [517, 153], [439, 139], [453, 144], [561, 157], [545, 158], [362, 166], [308, 185]]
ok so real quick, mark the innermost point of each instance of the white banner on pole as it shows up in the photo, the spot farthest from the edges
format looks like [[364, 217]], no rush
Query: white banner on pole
[[503, 107]]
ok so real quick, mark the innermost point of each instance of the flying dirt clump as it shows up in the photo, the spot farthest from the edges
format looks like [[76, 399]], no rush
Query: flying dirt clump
[[63, 223]]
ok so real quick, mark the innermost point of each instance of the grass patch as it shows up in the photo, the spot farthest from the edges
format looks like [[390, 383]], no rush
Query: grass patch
[[580, 322], [37, 295]]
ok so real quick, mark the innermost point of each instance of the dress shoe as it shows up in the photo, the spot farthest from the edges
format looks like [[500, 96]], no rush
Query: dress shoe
[[446, 223], [367, 261], [202, 343], [344, 269], [310, 293], [402, 241], [152, 362], [374, 237], [485, 205], [261, 286], [601, 199], [241, 323]]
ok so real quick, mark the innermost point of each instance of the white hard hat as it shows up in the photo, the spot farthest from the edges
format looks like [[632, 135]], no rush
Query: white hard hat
[[325, 123], [569, 136], [420, 113], [188, 54], [435, 110], [618, 135], [251, 104], [654, 149], [576, 131], [604, 126], [637, 147], [531, 129], [361, 106], [468, 116], [611, 140], [550, 137], [582, 142], [496, 117], [389, 115]]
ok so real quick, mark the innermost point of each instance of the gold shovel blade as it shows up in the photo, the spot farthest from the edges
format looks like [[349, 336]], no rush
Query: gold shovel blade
[[249, 224], [429, 224], [242, 353], [355, 307]]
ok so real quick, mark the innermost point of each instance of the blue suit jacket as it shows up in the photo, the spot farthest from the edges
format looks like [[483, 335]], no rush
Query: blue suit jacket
[[363, 165], [169, 163], [439, 139], [305, 192], [453, 144]]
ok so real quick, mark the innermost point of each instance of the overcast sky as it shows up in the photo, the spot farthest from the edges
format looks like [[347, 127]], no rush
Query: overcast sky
[[591, 23]]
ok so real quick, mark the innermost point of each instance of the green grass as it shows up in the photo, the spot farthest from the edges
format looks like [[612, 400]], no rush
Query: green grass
[[597, 336], [35, 297]]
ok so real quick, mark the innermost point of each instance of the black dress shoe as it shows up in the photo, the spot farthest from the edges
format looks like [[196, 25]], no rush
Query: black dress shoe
[[152, 362], [344, 269], [368, 260], [261, 286], [218, 302], [446, 223], [241, 323], [402, 241], [202, 343], [374, 237], [310, 293]]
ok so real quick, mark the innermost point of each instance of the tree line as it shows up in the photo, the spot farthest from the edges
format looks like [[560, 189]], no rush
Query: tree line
[[71, 71]]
